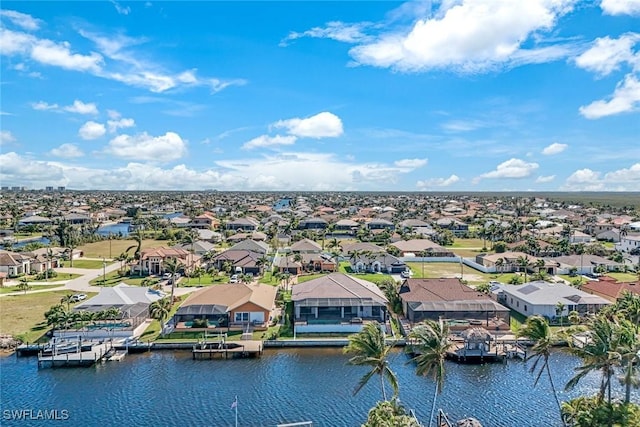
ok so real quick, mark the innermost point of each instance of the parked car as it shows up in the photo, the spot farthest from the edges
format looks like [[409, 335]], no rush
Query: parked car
[[234, 279], [78, 297], [166, 276], [405, 274]]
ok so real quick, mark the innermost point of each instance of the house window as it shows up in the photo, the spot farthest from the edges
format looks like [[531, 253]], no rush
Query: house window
[[242, 317], [305, 310], [511, 300], [525, 307], [517, 303]]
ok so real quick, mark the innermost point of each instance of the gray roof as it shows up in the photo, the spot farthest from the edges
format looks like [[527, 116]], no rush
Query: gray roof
[[546, 293], [338, 286], [251, 245], [122, 294]]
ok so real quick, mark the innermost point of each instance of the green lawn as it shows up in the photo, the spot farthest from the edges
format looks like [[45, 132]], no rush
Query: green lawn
[[467, 243], [435, 270], [114, 247], [153, 330], [204, 280], [88, 263], [269, 279], [59, 277], [114, 278], [23, 315], [9, 289], [624, 277]]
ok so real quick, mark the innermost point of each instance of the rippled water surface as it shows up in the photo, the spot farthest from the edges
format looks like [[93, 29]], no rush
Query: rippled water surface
[[168, 388]]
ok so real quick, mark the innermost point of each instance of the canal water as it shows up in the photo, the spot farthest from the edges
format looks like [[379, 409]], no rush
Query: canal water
[[169, 388], [117, 229]]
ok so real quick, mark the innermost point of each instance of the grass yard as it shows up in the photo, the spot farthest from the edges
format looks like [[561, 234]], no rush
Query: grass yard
[[435, 270], [9, 289], [204, 280], [624, 277], [91, 264], [467, 244], [114, 278], [58, 278], [101, 249], [23, 315]]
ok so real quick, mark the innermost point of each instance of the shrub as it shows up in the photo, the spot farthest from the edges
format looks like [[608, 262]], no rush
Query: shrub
[[200, 323]]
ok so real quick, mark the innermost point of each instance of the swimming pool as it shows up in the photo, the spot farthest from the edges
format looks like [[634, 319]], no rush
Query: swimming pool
[[110, 326]]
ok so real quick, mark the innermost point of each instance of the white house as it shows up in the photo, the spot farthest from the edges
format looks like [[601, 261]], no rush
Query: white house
[[542, 298], [628, 243]]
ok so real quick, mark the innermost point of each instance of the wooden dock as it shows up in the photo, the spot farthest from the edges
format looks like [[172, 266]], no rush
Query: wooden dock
[[222, 349], [80, 358]]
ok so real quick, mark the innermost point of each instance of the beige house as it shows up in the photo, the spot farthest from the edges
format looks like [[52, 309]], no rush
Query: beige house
[[237, 305], [152, 260]]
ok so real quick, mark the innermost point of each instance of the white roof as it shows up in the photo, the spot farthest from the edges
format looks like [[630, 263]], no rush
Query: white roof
[[546, 293], [123, 294]]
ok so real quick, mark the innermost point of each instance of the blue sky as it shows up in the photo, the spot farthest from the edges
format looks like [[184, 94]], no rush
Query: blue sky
[[447, 95]]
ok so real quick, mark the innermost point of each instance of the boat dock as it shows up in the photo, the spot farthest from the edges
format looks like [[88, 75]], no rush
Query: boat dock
[[222, 349], [77, 358]]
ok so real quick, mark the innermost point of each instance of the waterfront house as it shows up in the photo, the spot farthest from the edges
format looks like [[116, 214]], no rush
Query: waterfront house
[[346, 226], [337, 302], [237, 305], [542, 298], [133, 304], [450, 299]]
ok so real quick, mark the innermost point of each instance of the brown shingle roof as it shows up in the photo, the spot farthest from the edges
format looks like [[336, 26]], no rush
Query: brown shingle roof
[[438, 290]]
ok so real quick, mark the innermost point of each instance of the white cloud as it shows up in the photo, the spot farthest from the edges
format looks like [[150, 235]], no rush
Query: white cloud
[[22, 20], [6, 137], [631, 175], [470, 36], [91, 130], [281, 171], [410, 163], [126, 65], [607, 54], [82, 108], [122, 10], [620, 7], [43, 106], [555, 148], [512, 168], [463, 125], [144, 147], [437, 182], [67, 151], [544, 179], [121, 123], [59, 54], [336, 30], [269, 141], [322, 125], [625, 98]]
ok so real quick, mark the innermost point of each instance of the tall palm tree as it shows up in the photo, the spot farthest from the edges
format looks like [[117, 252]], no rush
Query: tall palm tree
[[431, 344], [600, 353], [630, 355], [537, 330], [198, 272], [369, 348], [560, 306], [67, 299], [525, 263], [160, 310], [172, 265]]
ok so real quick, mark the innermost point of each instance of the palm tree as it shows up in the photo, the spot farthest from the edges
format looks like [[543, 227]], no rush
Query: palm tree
[[600, 353], [138, 236], [630, 355], [198, 272], [67, 299], [369, 348], [431, 344], [525, 263], [537, 330], [560, 306], [574, 317], [172, 265], [261, 262], [160, 310]]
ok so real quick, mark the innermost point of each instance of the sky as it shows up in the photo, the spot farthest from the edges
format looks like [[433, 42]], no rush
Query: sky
[[450, 95]]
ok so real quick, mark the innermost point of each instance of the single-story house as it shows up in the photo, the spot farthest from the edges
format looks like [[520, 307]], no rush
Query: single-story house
[[584, 264], [243, 224], [312, 224], [306, 246], [337, 302], [259, 247], [610, 289], [542, 298], [14, 264], [450, 299], [506, 262], [377, 263], [421, 247], [380, 224], [236, 305], [360, 247], [242, 261]]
